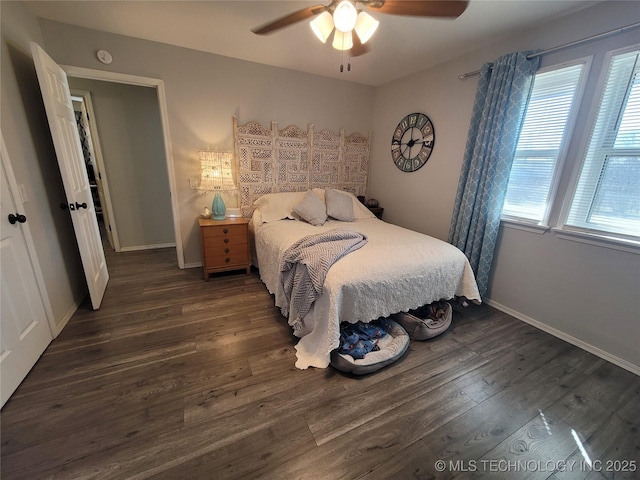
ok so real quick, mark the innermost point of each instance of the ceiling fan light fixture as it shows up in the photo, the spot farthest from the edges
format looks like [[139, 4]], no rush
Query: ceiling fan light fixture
[[322, 26], [342, 40], [345, 16], [366, 26]]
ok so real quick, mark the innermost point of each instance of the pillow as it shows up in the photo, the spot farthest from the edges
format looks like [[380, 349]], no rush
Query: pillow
[[312, 209], [276, 206], [360, 210], [339, 205]]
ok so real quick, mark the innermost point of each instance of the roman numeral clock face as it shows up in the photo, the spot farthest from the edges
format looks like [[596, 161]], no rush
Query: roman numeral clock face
[[412, 142]]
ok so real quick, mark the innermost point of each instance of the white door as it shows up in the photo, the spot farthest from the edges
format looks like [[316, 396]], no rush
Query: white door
[[62, 122], [24, 327], [98, 167]]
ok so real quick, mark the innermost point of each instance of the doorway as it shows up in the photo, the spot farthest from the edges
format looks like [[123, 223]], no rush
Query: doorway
[[164, 161], [130, 169], [92, 152]]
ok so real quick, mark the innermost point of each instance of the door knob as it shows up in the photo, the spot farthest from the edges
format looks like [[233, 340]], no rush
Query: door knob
[[73, 206], [16, 218]]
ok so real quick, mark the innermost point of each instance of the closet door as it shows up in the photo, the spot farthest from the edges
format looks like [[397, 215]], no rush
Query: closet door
[[23, 317]]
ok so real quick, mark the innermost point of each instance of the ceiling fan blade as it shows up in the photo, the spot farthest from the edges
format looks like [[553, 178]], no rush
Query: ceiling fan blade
[[290, 19], [358, 48], [420, 8]]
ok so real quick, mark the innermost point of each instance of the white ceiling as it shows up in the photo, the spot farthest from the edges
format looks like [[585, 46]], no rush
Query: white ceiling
[[401, 46]]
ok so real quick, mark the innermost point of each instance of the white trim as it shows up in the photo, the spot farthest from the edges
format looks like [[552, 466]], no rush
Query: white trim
[[136, 248], [566, 337], [74, 308], [28, 237], [193, 265], [599, 239], [522, 225], [568, 133], [158, 84]]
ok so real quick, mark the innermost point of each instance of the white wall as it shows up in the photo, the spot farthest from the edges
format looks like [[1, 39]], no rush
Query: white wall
[[203, 93], [586, 293], [128, 121], [26, 132]]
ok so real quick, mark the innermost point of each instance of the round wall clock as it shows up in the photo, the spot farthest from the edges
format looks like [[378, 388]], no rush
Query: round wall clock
[[412, 142]]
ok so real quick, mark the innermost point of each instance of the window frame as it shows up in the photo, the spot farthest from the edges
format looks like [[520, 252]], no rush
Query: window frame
[[600, 237], [542, 225]]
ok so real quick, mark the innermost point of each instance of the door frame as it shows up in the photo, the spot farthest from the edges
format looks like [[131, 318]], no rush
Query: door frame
[[92, 74], [101, 178]]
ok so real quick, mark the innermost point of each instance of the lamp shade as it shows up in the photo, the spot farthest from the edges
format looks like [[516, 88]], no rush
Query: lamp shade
[[216, 174], [216, 171], [342, 41], [344, 16], [366, 26], [322, 26]]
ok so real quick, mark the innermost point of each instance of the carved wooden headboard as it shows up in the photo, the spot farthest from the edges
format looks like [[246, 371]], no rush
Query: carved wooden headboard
[[295, 160]]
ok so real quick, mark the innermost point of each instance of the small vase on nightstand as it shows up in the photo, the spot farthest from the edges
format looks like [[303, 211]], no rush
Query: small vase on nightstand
[[218, 207]]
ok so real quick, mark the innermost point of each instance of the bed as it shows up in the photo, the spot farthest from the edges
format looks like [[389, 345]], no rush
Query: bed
[[395, 270]]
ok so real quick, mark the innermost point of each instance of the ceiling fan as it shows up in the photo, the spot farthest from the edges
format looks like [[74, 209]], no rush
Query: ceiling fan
[[343, 16]]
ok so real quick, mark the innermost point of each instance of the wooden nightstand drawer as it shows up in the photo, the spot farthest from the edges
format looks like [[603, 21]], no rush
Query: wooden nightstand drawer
[[228, 259], [225, 231], [225, 245], [219, 242]]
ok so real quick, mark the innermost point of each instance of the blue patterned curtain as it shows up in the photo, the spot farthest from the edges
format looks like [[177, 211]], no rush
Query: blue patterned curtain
[[498, 112]]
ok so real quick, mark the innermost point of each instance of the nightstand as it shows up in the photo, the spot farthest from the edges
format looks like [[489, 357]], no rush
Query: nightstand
[[377, 211], [225, 245]]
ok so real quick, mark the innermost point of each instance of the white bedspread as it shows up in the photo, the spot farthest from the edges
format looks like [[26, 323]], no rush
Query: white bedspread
[[397, 270]]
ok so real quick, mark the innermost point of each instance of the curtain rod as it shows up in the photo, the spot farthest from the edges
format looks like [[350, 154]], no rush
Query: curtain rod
[[566, 45]]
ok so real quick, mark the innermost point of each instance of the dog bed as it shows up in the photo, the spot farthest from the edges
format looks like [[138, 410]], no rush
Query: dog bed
[[391, 347], [426, 322]]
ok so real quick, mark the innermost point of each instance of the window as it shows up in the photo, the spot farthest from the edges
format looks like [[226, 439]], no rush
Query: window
[[539, 153], [607, 195]]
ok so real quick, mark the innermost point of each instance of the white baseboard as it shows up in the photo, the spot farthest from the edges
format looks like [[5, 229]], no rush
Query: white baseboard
[[193, 265], [147, 247], [65, 319], [566, 337]]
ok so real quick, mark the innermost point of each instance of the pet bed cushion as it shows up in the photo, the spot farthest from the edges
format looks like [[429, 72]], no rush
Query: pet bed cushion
[[426, 322], [392, 347]]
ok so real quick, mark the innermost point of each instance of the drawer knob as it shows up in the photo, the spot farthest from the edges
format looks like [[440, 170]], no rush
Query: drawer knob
[[227, 260], [225, 231], [226, 240], [226, 250]]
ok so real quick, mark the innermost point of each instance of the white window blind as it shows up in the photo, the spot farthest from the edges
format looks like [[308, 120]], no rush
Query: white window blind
[[540, 145], [607, 197]]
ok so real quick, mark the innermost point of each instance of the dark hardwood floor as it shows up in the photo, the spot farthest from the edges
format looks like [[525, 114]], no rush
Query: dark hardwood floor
[[177, 378]]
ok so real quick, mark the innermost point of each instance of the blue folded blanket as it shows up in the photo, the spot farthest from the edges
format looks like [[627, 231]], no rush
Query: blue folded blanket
[[358, 339]]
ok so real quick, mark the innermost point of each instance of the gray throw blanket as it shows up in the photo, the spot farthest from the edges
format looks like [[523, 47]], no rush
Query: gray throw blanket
[[305, 265]]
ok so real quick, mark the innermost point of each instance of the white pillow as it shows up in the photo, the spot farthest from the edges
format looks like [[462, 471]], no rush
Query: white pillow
[[311, 209], [276, 206], [360, 211], [339, 205]]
